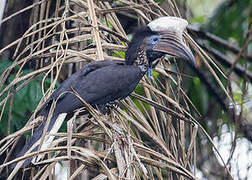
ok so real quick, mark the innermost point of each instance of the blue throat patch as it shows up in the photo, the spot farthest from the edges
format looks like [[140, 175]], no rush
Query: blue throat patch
[[149, 72]]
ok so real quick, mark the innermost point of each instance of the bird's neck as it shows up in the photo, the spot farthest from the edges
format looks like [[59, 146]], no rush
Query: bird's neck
[[142, 61]]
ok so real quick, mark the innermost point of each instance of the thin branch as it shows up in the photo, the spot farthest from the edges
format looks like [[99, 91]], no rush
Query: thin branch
[[218, 41], [238, 69]]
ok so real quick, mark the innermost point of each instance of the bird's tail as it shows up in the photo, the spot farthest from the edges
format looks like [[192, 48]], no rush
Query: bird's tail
[[34, 139]]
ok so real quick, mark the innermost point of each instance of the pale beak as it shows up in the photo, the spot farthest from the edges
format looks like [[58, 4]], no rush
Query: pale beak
[[170, 43]]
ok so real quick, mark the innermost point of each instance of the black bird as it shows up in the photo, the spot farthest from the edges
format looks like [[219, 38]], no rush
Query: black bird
[[103, 82]]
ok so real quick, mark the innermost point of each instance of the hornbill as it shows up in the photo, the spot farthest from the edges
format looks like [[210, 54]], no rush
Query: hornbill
[[103, 82]]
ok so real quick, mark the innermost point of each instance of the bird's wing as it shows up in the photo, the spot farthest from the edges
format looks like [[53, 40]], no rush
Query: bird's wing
[[60, 92], [97, 65], [108, 83], [99, 87]]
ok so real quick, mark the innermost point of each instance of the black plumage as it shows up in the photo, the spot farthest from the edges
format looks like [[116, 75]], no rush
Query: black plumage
[[103, 82]]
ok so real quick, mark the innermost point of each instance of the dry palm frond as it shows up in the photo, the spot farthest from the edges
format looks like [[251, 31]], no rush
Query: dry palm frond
[[149, 136]]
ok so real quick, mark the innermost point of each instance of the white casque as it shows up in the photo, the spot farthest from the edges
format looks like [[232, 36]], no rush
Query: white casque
[[169, 23]]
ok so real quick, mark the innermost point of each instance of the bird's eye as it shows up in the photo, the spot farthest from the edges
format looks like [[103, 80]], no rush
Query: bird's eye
[[154, 39]]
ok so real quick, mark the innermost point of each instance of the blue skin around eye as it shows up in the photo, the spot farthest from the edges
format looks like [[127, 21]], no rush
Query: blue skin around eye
[[154, 37]]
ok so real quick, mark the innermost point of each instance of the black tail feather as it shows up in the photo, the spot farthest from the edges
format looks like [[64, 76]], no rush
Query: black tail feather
[[35, 137]]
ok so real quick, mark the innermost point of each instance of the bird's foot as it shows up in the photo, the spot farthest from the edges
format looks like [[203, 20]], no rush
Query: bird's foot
[[106, 109], [113, 104]]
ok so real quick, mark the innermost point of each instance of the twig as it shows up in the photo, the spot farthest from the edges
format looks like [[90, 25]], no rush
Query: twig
[[219, 41], [238, 69]]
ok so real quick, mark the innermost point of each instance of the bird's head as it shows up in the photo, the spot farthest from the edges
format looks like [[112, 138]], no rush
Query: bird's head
[[161, 36]]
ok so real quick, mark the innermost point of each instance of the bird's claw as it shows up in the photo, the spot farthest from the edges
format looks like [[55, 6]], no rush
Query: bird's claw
[[113, 104]]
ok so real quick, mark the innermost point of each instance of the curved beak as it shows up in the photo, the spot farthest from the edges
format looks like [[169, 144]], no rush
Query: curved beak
[[171, 43]]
